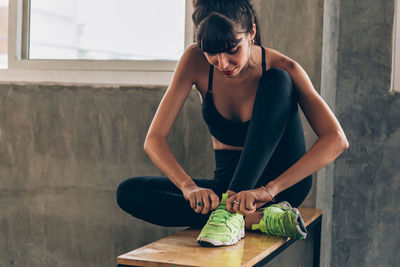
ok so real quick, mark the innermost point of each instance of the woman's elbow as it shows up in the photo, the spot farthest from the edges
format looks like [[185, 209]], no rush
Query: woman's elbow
[[336, 144], [150, 141], [342, 142], [147, 144]]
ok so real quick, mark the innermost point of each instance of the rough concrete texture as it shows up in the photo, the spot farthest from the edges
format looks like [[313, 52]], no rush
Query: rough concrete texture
[[294, 28], [299, 254], [366, 210], [64, 150], [328, 92]]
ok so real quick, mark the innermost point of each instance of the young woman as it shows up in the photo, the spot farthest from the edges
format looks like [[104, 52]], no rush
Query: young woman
[[249, 101]]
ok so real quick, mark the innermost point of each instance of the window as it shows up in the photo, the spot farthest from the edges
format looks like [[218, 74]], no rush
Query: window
[[3, 33], [106, 29], [132, 41], [395, 86]]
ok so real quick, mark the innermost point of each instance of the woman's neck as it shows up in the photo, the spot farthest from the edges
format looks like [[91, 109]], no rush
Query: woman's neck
[[252, 66]]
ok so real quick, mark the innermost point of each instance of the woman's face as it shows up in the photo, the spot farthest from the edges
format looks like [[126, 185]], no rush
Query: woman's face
[[232, 62]]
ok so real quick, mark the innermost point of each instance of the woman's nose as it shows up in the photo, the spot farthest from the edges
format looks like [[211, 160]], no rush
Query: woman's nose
[[222, 61]]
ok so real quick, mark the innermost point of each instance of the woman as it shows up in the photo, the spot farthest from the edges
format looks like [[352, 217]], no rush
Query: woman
[[249, 101]]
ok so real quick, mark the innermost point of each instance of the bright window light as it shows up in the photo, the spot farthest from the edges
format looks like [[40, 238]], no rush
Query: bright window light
[[107, 29]]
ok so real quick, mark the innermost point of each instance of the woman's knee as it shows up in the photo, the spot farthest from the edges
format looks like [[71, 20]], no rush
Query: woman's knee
[[279, 74], [281, 81], [129, 191], [275, 95]]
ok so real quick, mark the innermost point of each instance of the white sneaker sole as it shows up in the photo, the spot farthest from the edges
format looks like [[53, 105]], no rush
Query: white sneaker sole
[[208, 242]]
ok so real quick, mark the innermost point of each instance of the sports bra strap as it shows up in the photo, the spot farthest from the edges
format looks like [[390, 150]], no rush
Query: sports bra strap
[[210, 78], [210, 75], [264, 65]]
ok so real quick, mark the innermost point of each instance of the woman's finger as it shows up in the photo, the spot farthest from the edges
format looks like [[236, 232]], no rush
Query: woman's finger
[[214, 201], [229, 204], [246, 208], [236, 205], [192, 201], [259, 204], [242, 206], [199, 204], [206, 204], [250, 204]]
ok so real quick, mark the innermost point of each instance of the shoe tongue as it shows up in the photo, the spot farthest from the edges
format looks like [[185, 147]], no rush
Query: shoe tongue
[[224, 198]]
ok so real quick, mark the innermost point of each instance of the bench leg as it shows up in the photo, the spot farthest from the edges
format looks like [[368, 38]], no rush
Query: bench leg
[[317, 242]]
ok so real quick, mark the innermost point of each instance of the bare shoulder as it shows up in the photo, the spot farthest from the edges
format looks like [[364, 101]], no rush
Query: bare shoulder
[[195, 66], [195, 62], [276, 59], [194, 51], [184, 77]]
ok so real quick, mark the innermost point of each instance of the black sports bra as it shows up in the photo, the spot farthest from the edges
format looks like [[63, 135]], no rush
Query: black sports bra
[[226, 131]]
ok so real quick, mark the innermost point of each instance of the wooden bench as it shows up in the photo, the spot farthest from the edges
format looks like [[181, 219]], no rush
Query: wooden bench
[[256, 249]]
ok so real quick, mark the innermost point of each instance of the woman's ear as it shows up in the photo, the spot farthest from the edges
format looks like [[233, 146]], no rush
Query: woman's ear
[[253, 32]]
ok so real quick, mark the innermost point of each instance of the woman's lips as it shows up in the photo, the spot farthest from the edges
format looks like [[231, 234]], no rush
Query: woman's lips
[[228, 72]]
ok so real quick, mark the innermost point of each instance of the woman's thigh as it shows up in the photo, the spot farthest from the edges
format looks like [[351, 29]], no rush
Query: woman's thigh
[[289, 150], [142, 185], [157, 200]]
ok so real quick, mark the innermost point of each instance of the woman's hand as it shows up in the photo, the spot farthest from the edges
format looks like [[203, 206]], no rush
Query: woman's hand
[[246, 202], [202, 200]]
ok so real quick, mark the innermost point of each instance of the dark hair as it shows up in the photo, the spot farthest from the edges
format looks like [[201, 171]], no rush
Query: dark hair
[[218, 21]]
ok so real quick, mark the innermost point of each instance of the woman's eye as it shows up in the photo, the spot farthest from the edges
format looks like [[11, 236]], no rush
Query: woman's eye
[[233, 51]]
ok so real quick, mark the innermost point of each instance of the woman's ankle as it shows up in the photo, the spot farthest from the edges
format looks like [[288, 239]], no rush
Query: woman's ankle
[[253, 218]]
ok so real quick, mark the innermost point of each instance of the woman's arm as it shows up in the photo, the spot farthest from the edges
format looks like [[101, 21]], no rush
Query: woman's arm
[[201, 199], [155, 144], [330, 144], [331, 140]]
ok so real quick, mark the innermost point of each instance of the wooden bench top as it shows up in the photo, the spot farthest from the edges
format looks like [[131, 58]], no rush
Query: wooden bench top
[[181, 249]]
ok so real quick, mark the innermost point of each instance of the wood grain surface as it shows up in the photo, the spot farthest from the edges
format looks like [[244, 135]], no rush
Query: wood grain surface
[[181, 249]]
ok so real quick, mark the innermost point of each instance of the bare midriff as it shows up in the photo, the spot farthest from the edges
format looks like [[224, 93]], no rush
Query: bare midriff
[[217, 145]]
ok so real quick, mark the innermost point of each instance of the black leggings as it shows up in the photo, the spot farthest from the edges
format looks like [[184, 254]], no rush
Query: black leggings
[[274, 142]]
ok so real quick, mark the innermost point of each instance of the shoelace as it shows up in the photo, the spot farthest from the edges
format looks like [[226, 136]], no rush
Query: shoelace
[[220, 215]]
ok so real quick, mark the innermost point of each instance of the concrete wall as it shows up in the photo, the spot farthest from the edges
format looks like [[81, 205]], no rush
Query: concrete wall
[[294, 28], [352, 55], [63, 150], [366, 211]]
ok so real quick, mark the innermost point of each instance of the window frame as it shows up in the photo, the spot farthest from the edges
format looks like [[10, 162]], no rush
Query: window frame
[[129, 71], [395, 80]]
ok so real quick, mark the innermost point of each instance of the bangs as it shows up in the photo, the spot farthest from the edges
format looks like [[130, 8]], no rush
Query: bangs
[[216, 35]]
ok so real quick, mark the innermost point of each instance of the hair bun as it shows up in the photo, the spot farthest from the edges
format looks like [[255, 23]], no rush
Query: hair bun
[[236, 12], [206, 3]]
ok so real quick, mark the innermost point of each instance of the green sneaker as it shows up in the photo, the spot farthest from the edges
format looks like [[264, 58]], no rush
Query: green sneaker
[[222, 228], [283, 220]]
